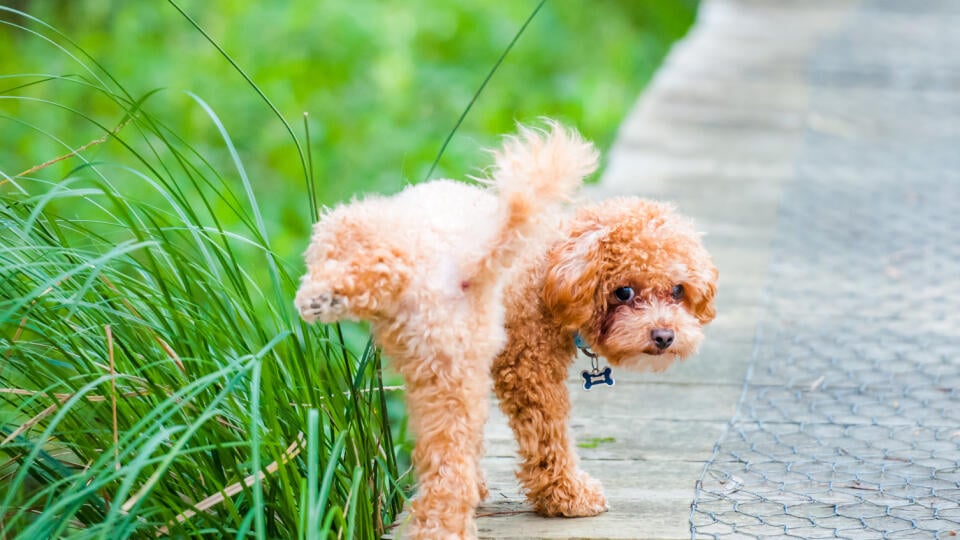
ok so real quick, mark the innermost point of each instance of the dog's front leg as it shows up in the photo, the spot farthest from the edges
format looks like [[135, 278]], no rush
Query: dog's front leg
[[533, 395]]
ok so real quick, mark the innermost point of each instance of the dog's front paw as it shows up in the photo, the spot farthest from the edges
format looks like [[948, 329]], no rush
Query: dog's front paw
[[579, 496], [324, 307]]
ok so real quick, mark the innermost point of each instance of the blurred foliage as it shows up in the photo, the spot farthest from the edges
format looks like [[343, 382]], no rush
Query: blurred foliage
[[383, 82]]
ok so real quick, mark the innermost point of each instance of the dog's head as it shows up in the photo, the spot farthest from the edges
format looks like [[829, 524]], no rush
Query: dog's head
[[633, 277]]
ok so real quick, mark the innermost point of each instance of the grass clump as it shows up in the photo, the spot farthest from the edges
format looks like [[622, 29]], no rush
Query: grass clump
[[154, 378]]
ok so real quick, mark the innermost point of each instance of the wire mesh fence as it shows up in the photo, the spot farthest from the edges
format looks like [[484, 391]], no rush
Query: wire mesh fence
[[849, 424]]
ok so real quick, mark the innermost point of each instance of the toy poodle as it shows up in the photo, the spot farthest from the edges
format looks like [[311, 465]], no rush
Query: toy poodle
[[626, 277], [427, 268]]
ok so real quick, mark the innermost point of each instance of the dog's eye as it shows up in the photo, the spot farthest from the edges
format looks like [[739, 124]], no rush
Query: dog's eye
[[624, 294], [677, 292]]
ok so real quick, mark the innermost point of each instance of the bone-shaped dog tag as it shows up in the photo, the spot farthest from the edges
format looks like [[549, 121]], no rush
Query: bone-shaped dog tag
[[597, 376]]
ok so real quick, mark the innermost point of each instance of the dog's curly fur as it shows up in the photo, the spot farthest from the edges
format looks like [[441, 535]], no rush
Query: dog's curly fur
[[459, 283], [624, 273], [427, 268]]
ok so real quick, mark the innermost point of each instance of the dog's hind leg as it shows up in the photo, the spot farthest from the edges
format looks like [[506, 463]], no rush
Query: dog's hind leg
[[447, 409]]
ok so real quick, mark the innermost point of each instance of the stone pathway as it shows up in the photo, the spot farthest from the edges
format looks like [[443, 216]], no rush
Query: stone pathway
[[817, 142]]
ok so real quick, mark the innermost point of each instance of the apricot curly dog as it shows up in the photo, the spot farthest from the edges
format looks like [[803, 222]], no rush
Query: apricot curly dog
[[427, 269]]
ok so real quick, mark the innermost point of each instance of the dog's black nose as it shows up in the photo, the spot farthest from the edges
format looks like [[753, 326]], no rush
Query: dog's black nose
[[662, 337]]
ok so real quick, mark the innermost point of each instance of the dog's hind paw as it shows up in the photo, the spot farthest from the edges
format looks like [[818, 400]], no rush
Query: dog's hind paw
[[325, 307]]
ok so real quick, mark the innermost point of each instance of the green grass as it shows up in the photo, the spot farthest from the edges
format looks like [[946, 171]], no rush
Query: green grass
[[595, 442], [154, 378], [152, 371], [154, 375]]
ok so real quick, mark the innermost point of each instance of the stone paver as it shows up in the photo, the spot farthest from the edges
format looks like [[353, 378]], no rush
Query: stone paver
[[816, 142], [849, 422]]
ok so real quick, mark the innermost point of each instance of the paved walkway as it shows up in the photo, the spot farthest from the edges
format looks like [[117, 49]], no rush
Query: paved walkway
[[817, 142]]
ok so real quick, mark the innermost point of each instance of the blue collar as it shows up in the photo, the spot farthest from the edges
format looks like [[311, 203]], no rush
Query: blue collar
[[579, 343]]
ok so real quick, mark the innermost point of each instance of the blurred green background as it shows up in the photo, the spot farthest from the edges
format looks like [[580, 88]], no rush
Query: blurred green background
[[383, 82]]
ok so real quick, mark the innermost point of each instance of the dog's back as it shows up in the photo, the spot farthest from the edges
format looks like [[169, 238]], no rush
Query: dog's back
[[440, 240]]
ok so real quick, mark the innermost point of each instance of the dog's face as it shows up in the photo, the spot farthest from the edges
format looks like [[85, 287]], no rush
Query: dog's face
[[634, 279]]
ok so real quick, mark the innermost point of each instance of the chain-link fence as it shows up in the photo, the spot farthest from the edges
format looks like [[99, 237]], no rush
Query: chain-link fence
[[849, 424]]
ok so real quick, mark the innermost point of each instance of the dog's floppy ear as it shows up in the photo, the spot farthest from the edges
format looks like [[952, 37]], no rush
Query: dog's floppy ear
[[572, 277], [705, 289]]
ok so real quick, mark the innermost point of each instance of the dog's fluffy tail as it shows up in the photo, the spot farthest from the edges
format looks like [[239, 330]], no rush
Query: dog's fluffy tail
[[533, 172]]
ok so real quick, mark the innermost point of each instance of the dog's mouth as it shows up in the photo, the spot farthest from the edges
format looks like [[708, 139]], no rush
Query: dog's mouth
[[656, 361], [648, 351]]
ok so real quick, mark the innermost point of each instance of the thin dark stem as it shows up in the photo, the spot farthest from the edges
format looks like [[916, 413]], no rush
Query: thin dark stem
[[311, 186], [482, 86]]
